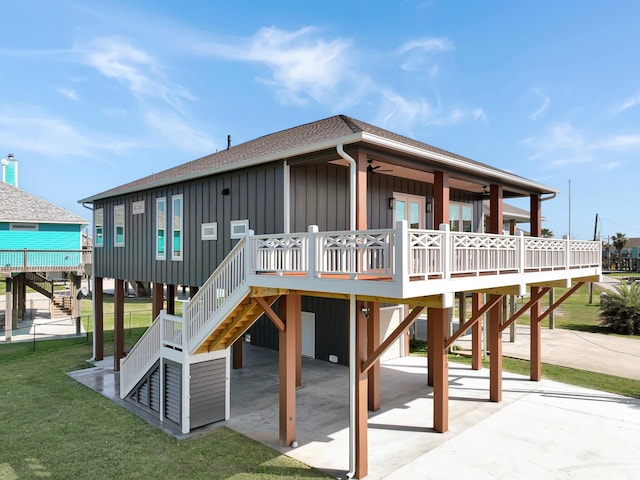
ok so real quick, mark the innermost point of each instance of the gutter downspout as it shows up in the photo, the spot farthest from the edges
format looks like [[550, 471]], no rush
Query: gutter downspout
[[352, 184], [93, 280], [353, 166], [551, 197]]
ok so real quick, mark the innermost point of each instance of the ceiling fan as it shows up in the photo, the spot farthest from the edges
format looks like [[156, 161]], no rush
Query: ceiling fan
[[374, 169], [485, 192]]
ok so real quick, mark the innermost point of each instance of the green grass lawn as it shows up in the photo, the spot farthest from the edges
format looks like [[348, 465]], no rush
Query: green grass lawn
[[54, 427]]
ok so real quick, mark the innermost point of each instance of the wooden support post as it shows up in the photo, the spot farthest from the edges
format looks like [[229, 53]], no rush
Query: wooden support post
[[8, 309], [495, 356], [362, 416], [535, 359], [290, 315], [373, 329], [298, 308], [476, 334], [552, 317], [513, 333], [118, 323], [171, 299], [430, 348], [98, 319], [157, 301], [237, 354], [439, 317]]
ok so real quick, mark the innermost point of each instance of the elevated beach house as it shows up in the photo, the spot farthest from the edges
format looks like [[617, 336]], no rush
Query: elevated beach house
[[38, 240], [331, 220]]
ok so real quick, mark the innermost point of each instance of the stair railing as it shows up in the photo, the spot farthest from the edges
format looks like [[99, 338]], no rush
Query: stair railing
[[141, 357], [216, 296]]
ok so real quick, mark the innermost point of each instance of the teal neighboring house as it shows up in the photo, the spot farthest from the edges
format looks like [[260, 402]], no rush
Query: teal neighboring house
[[37, 239]]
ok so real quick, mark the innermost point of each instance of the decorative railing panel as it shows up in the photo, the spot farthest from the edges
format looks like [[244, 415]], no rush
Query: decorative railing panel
[[355, 253], [476, 253], [280, 254], [426, 252], [585, 253], [545, 253]]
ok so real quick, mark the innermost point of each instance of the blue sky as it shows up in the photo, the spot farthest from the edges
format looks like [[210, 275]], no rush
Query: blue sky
[[95, 94]]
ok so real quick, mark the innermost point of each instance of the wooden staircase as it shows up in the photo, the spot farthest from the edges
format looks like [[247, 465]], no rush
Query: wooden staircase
[[235, 324], [61, 306]]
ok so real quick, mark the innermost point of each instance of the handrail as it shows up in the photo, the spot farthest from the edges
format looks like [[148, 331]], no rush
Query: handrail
[[26, 260], [141, 357], [222, 284]]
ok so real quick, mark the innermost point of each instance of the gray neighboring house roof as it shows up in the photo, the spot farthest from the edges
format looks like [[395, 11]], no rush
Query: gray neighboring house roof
[[509, 212], [307, 138], [16, 205]]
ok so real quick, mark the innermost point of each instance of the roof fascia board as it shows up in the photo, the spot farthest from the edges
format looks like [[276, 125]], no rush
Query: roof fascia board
[[51, 222], [457, 163], [294, 152]]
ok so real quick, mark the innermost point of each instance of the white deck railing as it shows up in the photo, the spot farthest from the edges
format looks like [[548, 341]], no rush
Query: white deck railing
[[430, 253]]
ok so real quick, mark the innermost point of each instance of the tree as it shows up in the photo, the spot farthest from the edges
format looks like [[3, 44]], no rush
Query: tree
[[546, 233], [619, 241], [620, 310]]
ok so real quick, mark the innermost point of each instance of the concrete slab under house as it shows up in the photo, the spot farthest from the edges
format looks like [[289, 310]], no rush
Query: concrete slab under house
[[326, 240]]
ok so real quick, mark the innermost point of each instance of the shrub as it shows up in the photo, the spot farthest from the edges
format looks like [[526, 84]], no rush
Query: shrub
[[620, 310]]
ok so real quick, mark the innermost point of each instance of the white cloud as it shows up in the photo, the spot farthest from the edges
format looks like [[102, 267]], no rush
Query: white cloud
[[562, 145], [428, 44], [543, 108], [628, 103], [68, 92], [29, 129], [399, 112], [417, 54], [135, 68], [176, 130], [303, 65]]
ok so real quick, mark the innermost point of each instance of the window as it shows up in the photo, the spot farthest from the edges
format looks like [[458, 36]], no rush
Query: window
[[24, 227], [161, 228], [118, 223], [98, 225], [461, 217], [176, 227], [239, 228], [411, 208], [210, 231]]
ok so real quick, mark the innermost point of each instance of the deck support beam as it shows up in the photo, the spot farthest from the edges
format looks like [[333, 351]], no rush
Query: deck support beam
[[495, 349], [535, 354], [118, 323], [157, 300], [439, 318], [476, 333], [8, 309], [290, 314], [236, 354], [98, 318], [373, 342], [361, 397], [171, 299]]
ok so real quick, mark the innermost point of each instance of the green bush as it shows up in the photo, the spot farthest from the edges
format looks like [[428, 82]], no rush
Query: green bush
[[620, 310]]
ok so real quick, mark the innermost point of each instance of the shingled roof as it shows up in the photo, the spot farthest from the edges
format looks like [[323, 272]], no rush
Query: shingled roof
[[320, 134], [16, 205]]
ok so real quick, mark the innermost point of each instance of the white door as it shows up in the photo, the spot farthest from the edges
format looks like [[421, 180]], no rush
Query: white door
[[308, 334], [411, 208]]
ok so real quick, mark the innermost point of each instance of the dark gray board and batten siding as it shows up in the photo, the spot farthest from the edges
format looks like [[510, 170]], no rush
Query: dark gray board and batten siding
[[255, 194]]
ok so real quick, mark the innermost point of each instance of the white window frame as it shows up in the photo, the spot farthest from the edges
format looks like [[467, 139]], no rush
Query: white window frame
[[213, 235], [235, 233], [410, 198], [116, 209], [460, 206], [98, 222], [163, 227], [180, 228]]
